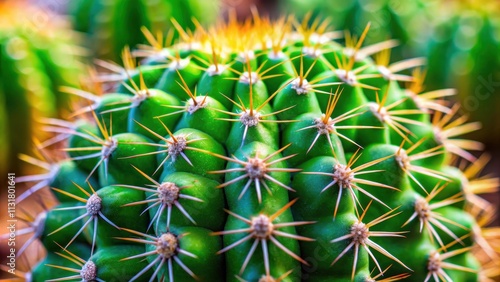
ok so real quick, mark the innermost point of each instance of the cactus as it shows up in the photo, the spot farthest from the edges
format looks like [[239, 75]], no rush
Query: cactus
[[459, 38], [397, 20], [37, 58], [264, 152], [112, 25]]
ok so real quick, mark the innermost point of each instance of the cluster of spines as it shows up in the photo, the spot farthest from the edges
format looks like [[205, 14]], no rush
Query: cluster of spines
[[301, 140]]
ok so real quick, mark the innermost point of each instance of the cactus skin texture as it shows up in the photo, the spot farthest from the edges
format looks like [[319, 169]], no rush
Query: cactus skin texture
[[265, 153], [459, 39], [114, 24], [36, 59]]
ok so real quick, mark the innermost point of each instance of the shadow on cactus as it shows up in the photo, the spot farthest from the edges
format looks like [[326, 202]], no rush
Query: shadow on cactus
[[267, 152]]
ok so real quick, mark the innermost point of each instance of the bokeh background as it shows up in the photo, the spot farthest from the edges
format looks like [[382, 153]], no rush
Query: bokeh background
[[50, 46]]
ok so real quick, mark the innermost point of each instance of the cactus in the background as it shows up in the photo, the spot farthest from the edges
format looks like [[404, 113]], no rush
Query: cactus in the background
[[263, 151], [112, 25], [464, 52], [37, 57]]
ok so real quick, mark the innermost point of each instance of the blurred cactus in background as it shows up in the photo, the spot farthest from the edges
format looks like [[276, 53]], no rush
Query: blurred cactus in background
[[114, 24], [262, 150], [464, 53], [37, 57]]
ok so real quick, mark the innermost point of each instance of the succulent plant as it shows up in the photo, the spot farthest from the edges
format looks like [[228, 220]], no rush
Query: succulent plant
[[38, 56], [397, 20], [264, 151], [459, 38], [112, 25]]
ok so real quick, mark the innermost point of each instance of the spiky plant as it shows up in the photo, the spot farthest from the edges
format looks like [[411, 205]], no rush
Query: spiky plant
[[397, 20], [458, 37], [38, 55], [112, 25], [265, 151]]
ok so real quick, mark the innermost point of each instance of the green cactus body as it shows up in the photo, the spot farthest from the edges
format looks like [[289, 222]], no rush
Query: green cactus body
[[458, 38], [319, 176], [43, 270]]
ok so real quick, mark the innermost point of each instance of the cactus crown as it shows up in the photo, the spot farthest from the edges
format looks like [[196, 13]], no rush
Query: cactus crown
[[284, 112]]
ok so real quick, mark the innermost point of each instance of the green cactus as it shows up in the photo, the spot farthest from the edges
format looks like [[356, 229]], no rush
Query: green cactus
[[37, 57], [112, 25], [337, 173], [459, 38]]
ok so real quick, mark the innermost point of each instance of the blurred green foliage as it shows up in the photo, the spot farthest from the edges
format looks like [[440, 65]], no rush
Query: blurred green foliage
[[114, 24]]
